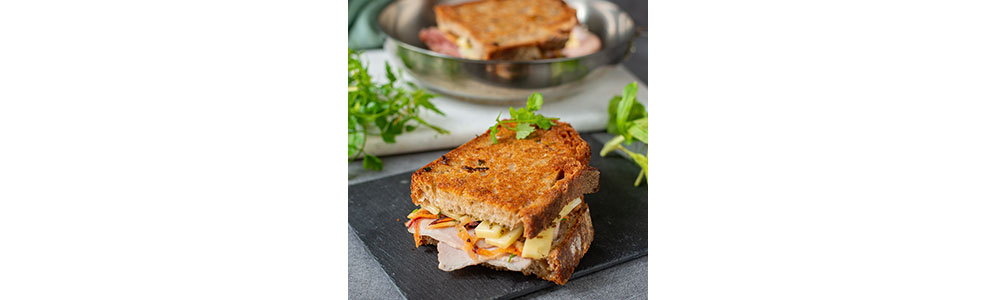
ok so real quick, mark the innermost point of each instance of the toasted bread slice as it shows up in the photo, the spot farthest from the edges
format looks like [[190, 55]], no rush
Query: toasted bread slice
[[571, 242], [509, 29], [513, 182]]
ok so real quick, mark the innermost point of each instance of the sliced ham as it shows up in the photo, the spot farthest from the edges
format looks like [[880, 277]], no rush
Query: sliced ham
[[444, 235], [452, 258], [581, 43], [451, 249], [437, 41], [516, 263]]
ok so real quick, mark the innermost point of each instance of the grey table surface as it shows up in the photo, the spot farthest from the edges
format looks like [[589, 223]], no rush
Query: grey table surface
[[367, 280]]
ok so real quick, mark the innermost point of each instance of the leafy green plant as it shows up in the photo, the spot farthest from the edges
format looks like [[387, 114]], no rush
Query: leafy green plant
[[383, 110], [524, 118], [627, 119]]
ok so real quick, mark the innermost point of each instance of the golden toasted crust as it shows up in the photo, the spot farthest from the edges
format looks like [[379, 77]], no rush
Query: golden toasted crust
[[509, 29], [571, 243], [511, 182]]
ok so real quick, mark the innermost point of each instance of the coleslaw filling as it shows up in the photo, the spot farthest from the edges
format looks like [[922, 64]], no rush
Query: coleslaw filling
[[459, 247]]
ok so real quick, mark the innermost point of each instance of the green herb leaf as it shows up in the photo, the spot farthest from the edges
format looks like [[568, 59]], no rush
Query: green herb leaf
[[535, 101], [641, 161], [391, 75], [511, 256], [524, 118], [637, 111], [523, 130], [623, 108], [382, 110], [638, 129], [356, 141], [611, 145], [357, 137], [372, 162], [545, 123], [639, 177], [494, 130], [523, 114], [629, 120]]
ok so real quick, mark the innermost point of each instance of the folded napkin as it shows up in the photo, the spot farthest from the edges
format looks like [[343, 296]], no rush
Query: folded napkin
[[586, 111]]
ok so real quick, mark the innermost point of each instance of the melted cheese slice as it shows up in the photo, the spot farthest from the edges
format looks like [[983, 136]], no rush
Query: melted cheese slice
[[506, 239], [539, 246], [499, 236], [569, 207], [464, 48], [489, 230]]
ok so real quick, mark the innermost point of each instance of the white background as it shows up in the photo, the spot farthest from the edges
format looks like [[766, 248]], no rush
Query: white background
[[192, 149], [824, 150]]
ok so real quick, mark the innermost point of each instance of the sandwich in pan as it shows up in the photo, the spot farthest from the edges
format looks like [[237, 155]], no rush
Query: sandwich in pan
[[509, 30], [513, 204]]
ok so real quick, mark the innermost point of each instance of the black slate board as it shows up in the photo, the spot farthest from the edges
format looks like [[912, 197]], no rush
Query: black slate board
[[377, 212]]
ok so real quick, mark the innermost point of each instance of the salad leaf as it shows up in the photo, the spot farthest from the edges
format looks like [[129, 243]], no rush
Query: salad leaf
[[623, 110], [382, 110], [525, 119], [628, 120]]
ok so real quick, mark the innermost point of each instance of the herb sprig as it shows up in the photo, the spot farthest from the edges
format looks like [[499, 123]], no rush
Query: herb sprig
[[627, 119], [524, 118], [391, 110]]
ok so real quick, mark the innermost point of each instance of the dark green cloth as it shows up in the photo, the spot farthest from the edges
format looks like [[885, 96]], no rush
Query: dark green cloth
[[363, 24]]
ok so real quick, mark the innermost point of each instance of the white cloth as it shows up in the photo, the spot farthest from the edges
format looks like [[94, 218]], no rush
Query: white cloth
[[586, 111]]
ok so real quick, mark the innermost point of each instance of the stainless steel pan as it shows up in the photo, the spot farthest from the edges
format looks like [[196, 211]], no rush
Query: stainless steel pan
[[504, 81]]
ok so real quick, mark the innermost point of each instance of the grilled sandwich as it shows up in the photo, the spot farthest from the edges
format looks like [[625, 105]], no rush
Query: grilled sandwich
[[513, 205], [508, 30]]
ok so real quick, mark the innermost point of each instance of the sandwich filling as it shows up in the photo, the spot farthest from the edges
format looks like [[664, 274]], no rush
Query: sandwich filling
[[580, 42], [465, 242]]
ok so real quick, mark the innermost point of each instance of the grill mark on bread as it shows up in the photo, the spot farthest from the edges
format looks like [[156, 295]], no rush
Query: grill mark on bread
[[475, 169]]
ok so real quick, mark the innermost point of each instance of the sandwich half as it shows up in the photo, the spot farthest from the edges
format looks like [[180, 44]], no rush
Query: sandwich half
[[506, 30], [514, 205]]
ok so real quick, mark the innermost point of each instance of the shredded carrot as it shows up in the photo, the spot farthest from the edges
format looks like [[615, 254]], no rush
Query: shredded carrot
[[441, 220], [489, 253], [512, 249], [421, 215], [470, 241], [410, 222], [473, 239], [469, 246], [418, 239], [442, 225]]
